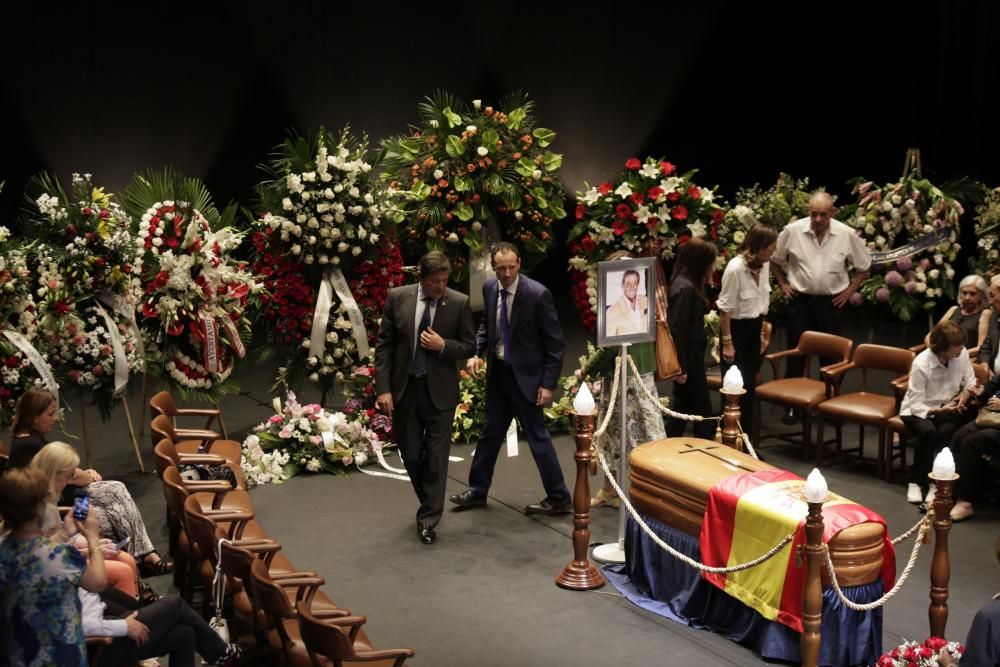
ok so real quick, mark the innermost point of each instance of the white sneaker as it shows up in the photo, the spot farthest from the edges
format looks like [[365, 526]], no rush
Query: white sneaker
[[913, 493], [929, 500]]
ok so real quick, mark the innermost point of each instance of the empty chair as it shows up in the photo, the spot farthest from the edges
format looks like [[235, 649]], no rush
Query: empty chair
[[163, 404], [864, 407], [336, 640], [804, 393], [204, 443], [165, 454]]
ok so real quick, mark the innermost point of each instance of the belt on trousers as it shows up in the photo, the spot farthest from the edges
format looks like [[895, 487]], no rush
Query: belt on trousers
[[814, 297]]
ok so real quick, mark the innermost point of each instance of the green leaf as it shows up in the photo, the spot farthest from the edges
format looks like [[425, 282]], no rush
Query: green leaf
[[462, 184], [454, 120], [489, 139], [516, 117], [578, 229], [493, 184], [557, 209], [544, 135], [552, 161], [525, 167], [420, 191], [463, 211], [473, 241], [411, 146], [454, 146], [540, 198]]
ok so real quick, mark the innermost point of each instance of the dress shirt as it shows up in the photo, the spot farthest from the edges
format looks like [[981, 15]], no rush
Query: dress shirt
[[419, 313], [92, 615], [820, 268], [511, 292], [932, 384], [741, 296]]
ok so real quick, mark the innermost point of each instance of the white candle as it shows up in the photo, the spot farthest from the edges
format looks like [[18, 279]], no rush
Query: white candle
[[816, 488], [583, 404], [733, 380], [944, 464]]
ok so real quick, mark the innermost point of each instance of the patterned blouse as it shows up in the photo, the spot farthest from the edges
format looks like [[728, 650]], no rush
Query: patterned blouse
[[39, 607]]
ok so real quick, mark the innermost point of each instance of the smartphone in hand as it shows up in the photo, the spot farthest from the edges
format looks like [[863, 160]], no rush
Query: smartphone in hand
[[121, 545], [81, 506]]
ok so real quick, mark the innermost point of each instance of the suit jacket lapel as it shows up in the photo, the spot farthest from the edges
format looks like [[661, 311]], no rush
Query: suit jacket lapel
[[439, 311], [410, 313], [492, 294]]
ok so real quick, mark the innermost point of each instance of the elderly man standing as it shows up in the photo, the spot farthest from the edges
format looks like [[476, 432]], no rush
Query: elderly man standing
[[426, 329], [812, 266], [522, 340]]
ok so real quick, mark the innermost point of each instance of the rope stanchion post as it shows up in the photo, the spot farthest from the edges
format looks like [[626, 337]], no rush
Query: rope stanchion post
[[580, 574], [937, 613], [731, 418], [812, 592]]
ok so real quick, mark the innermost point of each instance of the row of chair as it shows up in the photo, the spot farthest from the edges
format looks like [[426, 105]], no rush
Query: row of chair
[[212, 524], [822, 399]]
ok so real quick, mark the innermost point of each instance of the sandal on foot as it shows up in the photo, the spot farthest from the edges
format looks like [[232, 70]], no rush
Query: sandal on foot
[[605, 498], [156, 569], [147, 595]]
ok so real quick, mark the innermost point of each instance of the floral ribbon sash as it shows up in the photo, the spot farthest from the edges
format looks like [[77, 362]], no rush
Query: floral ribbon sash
[[121, 361], [924, 242], [36, 359], [335, 282]]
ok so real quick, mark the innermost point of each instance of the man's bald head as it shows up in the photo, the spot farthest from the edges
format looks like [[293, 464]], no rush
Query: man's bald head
[[821, 211]]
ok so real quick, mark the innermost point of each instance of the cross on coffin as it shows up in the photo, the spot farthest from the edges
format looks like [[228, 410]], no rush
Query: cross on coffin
[[711, 450]]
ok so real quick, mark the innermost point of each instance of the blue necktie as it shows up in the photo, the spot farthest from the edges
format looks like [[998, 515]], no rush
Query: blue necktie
[[419, 365], [504, 326]]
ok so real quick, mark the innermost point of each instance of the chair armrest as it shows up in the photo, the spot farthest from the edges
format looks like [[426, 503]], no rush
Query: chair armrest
[[193, 433], [199, 412], [330, 613], [353, 622], [292, 575], [203, 459], [918, 348], [773, 358], [99, 640], [299, 580], [397, 654], [833, 375], [899, 387]]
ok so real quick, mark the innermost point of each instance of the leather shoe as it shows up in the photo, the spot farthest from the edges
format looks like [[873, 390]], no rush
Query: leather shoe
[[468, 499], [550, 507], [426, 533], [791, 417]]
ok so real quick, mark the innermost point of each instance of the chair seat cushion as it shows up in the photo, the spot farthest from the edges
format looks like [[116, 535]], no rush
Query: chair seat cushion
[[860, 407], [798, 393], [227, 449], [896, 424]]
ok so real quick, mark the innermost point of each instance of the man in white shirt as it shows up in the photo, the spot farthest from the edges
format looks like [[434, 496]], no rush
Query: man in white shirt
[[629, 314], [812, 266], [168, 626]]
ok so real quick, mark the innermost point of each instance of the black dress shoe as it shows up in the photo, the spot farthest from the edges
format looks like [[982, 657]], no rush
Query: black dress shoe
[[791, 417], [426, 533], [468, 499], [550, 507]]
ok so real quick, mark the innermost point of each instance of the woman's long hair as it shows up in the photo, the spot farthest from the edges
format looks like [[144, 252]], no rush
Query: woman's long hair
[[32, 403], [695, 260], [52, 459]]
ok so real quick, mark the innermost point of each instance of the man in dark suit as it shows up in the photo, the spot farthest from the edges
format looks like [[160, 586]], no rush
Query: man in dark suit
[[522, 341], [426, 329]]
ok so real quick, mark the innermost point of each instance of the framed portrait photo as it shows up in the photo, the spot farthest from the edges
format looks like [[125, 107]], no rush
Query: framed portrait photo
[[626, 311]]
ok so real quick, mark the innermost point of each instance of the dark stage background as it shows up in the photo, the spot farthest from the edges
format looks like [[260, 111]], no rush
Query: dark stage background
[[740, 92]]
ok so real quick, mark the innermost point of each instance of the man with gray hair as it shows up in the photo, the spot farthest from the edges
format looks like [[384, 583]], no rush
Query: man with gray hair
[[811, 264], [989, 351], [426, 329]]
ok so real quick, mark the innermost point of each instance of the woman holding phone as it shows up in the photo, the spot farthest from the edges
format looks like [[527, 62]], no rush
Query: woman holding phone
[[39, 611], [35, 415]]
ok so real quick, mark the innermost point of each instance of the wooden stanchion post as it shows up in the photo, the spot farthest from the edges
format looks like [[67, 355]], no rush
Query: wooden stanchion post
[[812, 592], [142, 406], [580, 574], [937, 613], [731, 418], [131, 433]]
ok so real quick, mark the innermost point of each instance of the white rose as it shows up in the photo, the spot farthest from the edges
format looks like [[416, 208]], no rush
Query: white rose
[[536, 174], [938, 259], [476, 226], [470, 128], [483, 151], [869, 229], [739, 236], [476, 104], [438, 174], [452, 238], [296, 249], [286, 204], [432, 232], [342, 247], [950, 272], [355, 251], [934, 274], [921, 287], [897, 200], [328, 193], [314, 377]]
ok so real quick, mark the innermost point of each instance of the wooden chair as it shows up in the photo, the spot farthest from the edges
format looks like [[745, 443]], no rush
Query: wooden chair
[[280, 617], [864, 407], [205, 442], [714, 376], [801, 393], [163, 404], [336, 640], [165, 455]]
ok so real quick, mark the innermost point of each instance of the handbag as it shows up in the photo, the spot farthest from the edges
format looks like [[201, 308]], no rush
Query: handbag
[[988, 418], [667, 363], [209, 471], [218, 622]]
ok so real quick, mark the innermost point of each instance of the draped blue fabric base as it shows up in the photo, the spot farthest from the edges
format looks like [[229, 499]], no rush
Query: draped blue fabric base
[[656, 581]]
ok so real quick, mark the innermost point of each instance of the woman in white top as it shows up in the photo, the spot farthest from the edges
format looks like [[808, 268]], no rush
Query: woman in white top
[[941, 383], [743, 302]]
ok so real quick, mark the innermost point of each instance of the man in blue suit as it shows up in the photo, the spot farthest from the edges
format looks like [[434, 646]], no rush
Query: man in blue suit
[[521, 341]]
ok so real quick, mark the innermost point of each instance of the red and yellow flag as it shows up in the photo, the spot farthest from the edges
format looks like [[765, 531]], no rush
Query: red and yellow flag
[[747, 514]]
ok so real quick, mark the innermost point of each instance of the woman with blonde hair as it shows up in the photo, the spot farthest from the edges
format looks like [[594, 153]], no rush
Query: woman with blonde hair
[[35, 415], [58, 462]]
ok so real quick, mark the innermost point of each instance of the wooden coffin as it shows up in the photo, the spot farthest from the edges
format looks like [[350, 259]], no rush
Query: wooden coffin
[[670, 480]]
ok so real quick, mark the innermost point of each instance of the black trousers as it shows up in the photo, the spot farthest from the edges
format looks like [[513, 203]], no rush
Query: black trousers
[[175, 630], [504, 401], [424, 436], [809, 312], [969, 443], [746, 343], [693, 398], [930, 435]]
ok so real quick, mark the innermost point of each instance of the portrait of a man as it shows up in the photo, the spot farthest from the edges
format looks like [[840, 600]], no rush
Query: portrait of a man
[[624, 307]]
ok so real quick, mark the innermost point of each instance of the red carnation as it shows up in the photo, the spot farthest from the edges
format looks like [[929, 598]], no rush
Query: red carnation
[[654, 193], [683, 238], [605, 188], [581, 211], [633, 164], [589, 244], [694, 192], [666, 168], [674, 196], [637, 197], [679, 213], [624, 211], [718, 215], [619, 227]]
